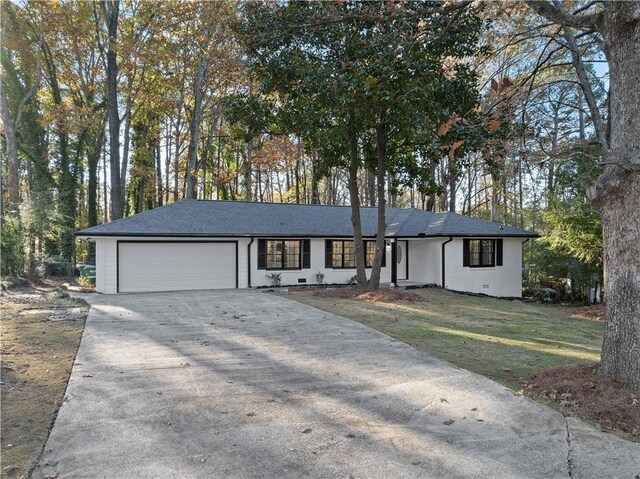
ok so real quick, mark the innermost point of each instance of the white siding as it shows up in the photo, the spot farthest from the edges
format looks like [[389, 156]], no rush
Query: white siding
[[505, 280], [106, 262], [425, 266], [425, 260], [331, 276]]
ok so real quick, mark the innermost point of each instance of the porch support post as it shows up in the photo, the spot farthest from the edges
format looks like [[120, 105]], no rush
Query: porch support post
[[394, 262], [406, 261]]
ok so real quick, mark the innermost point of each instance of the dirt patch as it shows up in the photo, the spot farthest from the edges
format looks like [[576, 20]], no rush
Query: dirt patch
[[380, 296], [608, 402], [595, 312], [39, 337]]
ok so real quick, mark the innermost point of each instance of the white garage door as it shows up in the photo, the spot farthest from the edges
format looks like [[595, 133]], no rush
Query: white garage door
[[162, 266]]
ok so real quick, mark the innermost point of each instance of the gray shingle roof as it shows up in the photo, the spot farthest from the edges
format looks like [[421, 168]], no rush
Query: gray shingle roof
[[236, 218]]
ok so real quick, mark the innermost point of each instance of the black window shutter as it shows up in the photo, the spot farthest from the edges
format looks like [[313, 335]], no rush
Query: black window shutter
[[328, 254], [306, 254], [499, 252], [262, 254], [465, 252]]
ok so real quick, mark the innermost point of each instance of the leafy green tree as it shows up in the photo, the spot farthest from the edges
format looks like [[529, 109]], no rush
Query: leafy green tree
[[347, 73], [146, 141], [11, 246]]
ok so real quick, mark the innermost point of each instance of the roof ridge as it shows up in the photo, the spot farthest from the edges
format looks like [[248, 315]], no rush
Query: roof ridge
[[281, 204]]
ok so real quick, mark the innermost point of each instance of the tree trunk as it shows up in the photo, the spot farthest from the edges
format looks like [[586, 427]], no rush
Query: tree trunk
[[371, 184], [93, 158], [495, 195], [315, 191], [431, 200], [159, 192], [66, 182], [248, 172], [104, 180], [13, 171], [194, 129], [616, 195], [354, 196], [126, 143], [583, 79], [297, 172], [391, 189], [452, 191], [381, 147], [167, 161], [176, 161], [581, 127], [111, 10]]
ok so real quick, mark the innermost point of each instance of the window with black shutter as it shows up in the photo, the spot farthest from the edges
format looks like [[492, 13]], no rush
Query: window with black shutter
[[328, 253], [306, 254], [481, 253], [341, 254], [282, 254], [499, 252], [262, 254]]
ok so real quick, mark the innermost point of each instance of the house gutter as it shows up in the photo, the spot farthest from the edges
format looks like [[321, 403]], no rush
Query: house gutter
[[249, 263], [443, 261]]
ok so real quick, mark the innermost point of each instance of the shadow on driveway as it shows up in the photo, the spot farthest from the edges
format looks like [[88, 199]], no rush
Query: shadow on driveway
[[249, 384]]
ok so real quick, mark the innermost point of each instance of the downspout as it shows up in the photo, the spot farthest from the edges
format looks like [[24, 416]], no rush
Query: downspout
[[443, 262], [525, 241], [394, 262], [249, 262]]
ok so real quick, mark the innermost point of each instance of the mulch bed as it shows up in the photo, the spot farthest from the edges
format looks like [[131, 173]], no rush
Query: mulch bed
[[606, 401], [383, 295]]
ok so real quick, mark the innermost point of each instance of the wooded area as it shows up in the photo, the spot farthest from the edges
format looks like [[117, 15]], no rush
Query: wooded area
[[523, 113]]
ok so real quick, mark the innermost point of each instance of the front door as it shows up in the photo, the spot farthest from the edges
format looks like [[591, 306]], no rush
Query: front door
[[402, 255]]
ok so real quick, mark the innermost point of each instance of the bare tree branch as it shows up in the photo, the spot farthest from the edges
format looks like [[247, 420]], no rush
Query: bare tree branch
[[552, 12]]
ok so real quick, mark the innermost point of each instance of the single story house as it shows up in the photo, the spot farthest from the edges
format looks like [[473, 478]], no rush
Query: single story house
[[200, 244]]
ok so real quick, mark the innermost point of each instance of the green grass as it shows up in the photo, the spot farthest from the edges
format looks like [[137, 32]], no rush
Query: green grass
[[507, 341]]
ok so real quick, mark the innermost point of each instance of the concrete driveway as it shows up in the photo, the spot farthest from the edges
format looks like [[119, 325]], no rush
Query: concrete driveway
[[248, 384]]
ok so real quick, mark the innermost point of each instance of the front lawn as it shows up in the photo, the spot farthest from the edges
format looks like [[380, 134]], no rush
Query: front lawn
[[507, 341], [544, 350], [39, 337]]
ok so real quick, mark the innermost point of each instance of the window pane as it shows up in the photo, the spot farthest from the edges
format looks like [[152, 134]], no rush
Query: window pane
[[274, 254], [371, 251], [487, 252], [349, 254], [292, 254], [337, 254], [474, 253]]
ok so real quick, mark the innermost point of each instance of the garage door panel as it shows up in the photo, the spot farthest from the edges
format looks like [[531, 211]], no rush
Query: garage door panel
[[175, 266]]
